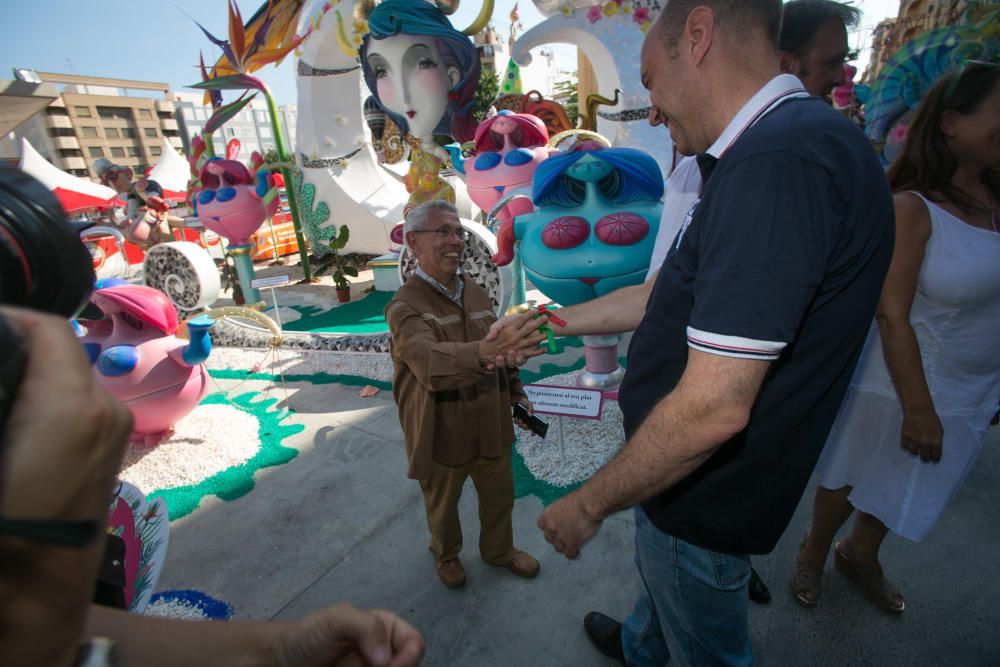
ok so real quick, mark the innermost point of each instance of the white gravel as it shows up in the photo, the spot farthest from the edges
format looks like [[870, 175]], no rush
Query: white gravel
[[587, 443], [207, 441], [175, 609], [374, 365]]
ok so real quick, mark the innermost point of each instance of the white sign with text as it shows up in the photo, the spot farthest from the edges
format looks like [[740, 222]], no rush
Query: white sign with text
[[270, 282], [566, 401]]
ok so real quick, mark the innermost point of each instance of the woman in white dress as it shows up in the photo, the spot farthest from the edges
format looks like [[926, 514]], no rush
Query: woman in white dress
[[927, 384]]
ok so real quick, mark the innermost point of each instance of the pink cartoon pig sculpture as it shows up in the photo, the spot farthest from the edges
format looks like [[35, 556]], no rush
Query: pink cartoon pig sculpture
[[232, 202], [138, 359], [508, 148]]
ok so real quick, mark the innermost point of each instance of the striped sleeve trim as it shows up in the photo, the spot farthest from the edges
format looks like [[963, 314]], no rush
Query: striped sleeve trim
[[733, 346]]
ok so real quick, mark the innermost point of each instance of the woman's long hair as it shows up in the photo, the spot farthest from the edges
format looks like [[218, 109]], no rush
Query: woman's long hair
[[419, 17], [926, 164]]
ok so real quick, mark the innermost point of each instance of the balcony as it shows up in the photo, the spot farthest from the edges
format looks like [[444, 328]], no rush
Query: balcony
[[61, 122], [74, 163], [168, 124], [164, 106], [65, 142], [175, 142]]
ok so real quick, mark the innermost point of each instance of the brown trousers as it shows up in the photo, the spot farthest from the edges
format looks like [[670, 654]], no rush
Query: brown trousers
[[494, 482]]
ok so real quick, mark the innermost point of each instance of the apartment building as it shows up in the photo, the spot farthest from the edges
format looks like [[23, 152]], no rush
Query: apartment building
[[251, 126], [93, 117]]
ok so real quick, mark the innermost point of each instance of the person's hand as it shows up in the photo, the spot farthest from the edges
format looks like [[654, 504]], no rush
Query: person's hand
[[922, 434], [527, 406], [512, 340], [62, 446], [344, 635], [65, 435], [567, 526]]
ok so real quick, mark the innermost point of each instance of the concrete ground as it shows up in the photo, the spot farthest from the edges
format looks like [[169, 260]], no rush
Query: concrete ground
[[342, 523]]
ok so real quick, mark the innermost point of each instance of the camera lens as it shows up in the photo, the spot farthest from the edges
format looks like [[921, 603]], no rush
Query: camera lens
[[43, 264]]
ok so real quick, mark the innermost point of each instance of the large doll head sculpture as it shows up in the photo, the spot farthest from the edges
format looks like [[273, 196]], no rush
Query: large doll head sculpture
[[421, 70], [140, 361], [597, 211], [233, 202]]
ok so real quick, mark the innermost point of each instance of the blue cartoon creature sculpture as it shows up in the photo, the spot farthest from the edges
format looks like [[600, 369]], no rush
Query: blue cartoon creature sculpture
[[597, 211]]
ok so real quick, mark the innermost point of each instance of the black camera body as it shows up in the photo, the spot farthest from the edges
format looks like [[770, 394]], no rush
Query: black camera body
[[43, 266]]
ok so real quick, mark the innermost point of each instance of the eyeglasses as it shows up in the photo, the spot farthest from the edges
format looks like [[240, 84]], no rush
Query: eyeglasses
[[957, 76], [444, 232]]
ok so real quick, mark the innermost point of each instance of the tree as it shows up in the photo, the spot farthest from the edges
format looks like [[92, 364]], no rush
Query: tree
[[565, 93], [486, 92]]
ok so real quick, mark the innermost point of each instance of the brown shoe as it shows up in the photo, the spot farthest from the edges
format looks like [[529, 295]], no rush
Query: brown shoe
[[452, 573], [522, 565]]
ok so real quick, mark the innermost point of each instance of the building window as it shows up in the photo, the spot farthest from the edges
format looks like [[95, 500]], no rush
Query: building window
[[199, 114], [82, 112], [117, 151], [145, 114], [116, 113], [265, 132], [88, 132], [128, 132], [187, 113], [155, 150], [112, 133], [149, 132], [132, 151], [96, 151]]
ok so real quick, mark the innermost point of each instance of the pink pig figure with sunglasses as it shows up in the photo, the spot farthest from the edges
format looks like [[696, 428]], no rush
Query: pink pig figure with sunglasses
[[232, 202], [138, 358]]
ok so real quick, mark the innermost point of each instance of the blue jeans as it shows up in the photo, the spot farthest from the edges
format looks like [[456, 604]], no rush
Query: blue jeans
[[692, 606]]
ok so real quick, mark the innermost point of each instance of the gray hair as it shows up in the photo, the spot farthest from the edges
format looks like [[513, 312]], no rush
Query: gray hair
[[418, 218]]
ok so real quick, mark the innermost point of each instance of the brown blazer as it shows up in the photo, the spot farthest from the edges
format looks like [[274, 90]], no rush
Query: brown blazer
[[451, 409]]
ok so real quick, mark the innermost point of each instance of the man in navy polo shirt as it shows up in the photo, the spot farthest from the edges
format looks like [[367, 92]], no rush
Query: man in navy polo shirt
[[750, 334]]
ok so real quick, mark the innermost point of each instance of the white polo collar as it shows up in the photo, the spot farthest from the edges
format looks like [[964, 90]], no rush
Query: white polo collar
[[779, 89]]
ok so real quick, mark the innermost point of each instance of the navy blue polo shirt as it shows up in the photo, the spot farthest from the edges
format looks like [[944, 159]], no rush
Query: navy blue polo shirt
[[783, 259]]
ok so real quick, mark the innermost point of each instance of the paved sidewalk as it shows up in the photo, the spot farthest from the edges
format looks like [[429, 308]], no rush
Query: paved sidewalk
[[342, 523]]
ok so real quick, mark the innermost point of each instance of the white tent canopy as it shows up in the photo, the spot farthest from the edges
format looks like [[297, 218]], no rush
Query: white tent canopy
[[53, 177], [172, 171]]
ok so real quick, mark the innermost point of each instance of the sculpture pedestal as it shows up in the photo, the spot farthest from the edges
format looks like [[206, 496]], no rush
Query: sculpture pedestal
[[385, 269], [601, 370], [244, 269]]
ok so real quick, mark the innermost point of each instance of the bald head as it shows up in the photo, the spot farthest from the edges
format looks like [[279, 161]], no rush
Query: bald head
[[734, 17]]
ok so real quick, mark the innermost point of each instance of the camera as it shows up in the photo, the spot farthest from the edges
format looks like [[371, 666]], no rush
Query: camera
[[43, 266]]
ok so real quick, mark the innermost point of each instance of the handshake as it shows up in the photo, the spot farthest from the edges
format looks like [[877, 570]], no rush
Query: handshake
[[514, 339]]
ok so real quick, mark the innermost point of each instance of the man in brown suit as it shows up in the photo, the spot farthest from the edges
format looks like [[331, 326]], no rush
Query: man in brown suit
[[454, 403]]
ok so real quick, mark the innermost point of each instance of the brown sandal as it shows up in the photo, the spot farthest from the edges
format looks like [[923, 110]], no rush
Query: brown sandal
[[805, 580], [871, 580]]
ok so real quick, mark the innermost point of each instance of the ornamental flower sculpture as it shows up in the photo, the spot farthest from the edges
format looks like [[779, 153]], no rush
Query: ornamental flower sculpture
[[263, 41], [639, 12]]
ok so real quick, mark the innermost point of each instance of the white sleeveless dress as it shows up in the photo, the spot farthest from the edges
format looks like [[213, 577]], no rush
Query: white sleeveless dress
[[956, 317]]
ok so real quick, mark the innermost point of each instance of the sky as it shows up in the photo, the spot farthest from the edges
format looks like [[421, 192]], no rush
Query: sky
[[158, 40]]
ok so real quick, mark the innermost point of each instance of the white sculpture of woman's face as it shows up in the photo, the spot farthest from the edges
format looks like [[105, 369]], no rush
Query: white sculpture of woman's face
[[412, 80]]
